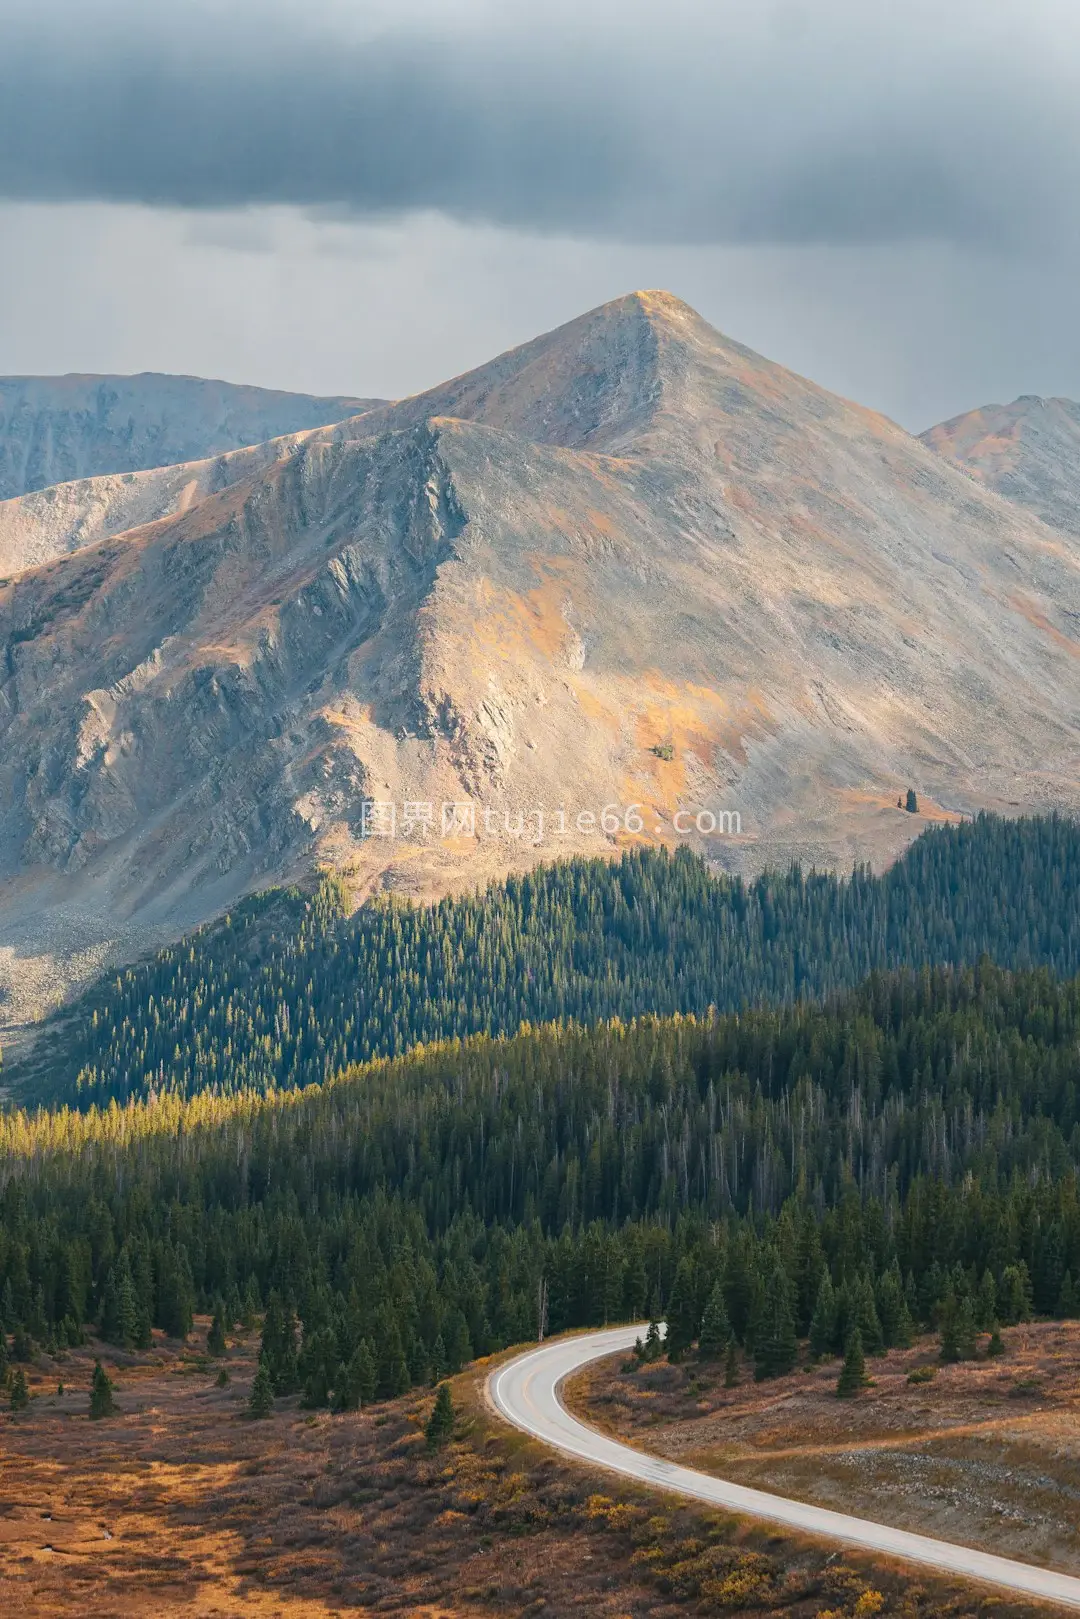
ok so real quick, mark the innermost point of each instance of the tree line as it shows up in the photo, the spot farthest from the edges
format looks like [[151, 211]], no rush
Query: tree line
[[904, 1154], [288, 990]]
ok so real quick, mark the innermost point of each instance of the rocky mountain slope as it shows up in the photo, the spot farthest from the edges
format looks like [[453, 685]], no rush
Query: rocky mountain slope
[[631, 563], [55, 429], [1028, 451]]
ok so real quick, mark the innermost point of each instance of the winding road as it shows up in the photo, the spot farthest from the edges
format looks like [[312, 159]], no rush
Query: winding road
[[526, 1392]]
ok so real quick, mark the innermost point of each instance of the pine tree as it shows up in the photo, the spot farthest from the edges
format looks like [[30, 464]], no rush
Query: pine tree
[[356, 1383], [896, 1324], [986, 1305], [911, 802], [251, 1306], [823, 1320], [682, 1322], [1068, 1304], [654, 1343], [853, 1372], [731, 1366], [19, 1394], [101, 1394], [261, 1400], [215, 1338], [3, 1358], [278, 1345], [715, 1326], [775, 1346], [1014, 1294], [176, 1292], [949, 1341], [440, 1424], [866, 1316], [995, 1347], [438, 1360]]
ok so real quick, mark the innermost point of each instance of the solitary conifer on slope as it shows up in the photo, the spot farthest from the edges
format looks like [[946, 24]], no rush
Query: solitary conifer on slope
[[853, 1372], [440, 1424], [261, 1401], [19, 1396], [101, 1394]]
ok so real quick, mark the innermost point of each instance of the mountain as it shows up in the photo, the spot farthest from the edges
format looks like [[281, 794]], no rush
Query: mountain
[[630, 563], [47, 523], [55, 429], [1028, 451]]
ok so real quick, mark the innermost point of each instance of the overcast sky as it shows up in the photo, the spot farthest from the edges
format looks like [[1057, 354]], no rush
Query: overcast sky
[[365, 198]]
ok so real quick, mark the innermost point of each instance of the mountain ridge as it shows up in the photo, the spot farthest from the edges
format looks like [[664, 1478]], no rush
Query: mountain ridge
[[629, 563], [1028, 452], [65, 428]]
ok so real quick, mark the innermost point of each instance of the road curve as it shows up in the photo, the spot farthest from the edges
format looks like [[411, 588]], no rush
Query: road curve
[[526, 1392]]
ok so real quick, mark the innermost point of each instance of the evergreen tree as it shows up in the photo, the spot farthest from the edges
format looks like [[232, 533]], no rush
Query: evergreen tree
[[682, 1318], [318, 1367], [775, 1346], [101, 1394], [438, 1359], [440, 1424], [823, 1321], [654, 1343], [866, 1316], [1068, 1304], [897, 1327], [19, 1393], [278, 1345], [176, 1292], [715, 1326], [251, 1306], [911, 802], [853, 1372], [215, 1338], [956, 1325], [995, 1347], [986, 1305], [261, 1400], [1014, 1294], [357, 1382], [731, 1366]]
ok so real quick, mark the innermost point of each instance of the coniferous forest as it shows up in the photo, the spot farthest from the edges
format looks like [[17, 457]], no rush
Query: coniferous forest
[[902, 1154], [288, 990]]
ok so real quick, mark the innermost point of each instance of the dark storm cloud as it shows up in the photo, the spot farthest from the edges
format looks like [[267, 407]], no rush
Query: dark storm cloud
[[724, 123]]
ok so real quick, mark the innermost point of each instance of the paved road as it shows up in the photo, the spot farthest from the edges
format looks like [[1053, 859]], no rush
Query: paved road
[[526, 1392]]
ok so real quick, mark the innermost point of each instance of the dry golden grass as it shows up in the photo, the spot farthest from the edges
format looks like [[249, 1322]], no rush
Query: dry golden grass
[[182, 1506], [987, 1453]]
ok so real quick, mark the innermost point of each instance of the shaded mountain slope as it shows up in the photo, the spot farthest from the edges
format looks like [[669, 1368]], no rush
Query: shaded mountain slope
[[54, 429], [630, 563]]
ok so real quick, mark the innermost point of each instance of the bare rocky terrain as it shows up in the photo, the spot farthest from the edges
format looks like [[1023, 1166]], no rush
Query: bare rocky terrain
[[1028, 451], [54, 429], [630, 563]]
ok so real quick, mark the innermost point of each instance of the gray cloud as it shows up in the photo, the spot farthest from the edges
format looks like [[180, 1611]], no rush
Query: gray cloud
[[718, 123]]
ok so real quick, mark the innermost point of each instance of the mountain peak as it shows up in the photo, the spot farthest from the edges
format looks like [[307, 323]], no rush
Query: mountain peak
[[1028, 451]]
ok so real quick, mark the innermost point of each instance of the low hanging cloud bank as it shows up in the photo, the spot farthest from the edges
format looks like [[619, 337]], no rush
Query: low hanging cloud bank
[[741, 123]]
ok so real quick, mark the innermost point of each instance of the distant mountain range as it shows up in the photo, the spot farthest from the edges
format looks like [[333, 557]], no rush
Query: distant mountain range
[[55, 429], [631, 563]]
